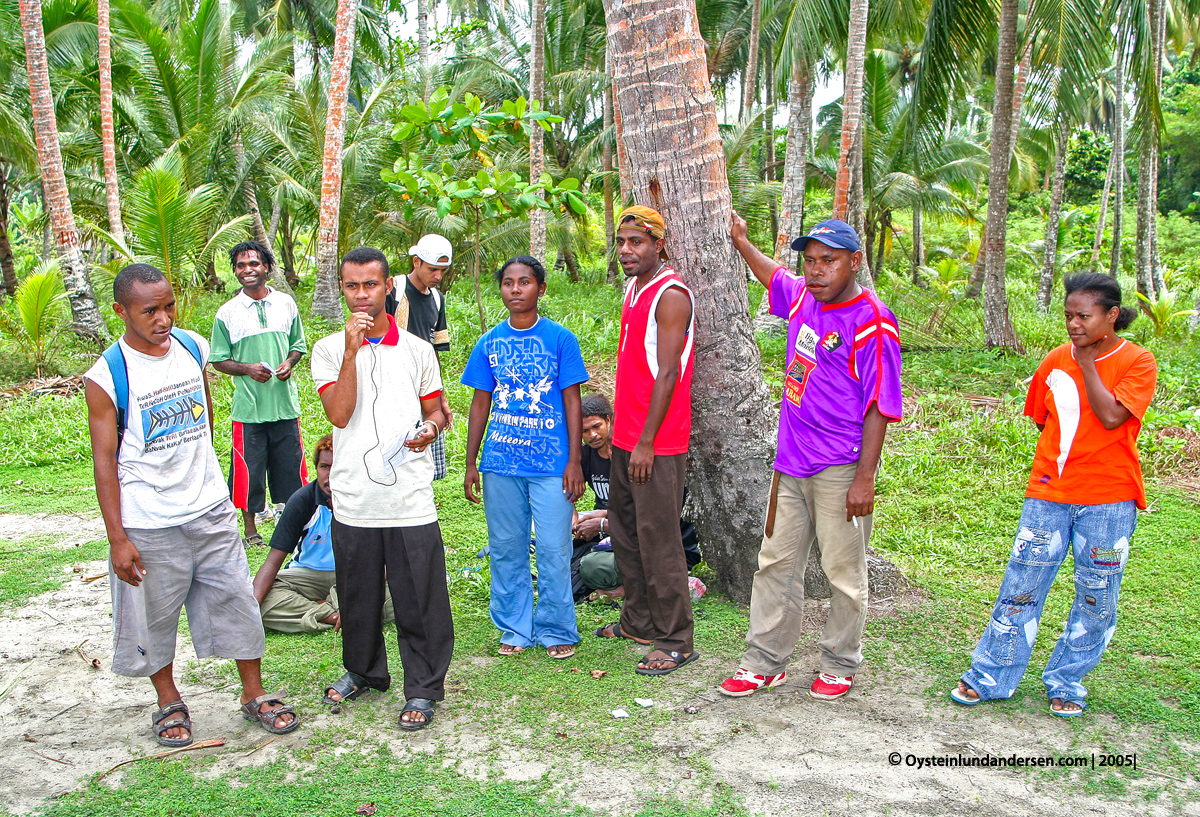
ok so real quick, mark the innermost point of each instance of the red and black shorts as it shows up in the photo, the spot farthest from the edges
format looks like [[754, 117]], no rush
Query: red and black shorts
[[263, 451]]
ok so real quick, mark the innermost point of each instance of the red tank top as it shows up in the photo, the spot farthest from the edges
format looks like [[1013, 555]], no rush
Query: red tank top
[[637, 367]]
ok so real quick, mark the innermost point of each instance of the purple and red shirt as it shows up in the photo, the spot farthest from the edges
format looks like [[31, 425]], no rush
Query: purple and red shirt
[[842, 359]]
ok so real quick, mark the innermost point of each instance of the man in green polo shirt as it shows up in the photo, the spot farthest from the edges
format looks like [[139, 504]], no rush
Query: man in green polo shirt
[[258, 338]]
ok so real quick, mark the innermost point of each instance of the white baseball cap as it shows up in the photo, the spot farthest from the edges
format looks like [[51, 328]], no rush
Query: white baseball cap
[[433, 249]]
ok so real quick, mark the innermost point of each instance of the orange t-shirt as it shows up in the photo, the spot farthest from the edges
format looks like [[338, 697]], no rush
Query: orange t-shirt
[[1078, 460]]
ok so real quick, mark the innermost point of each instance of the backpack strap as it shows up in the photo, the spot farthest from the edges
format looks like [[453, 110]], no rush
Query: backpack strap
[[115, 358], [190, 344]]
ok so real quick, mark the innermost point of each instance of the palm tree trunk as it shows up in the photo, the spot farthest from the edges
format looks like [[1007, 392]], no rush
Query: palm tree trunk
[[1050, 255], [112, 193], [8, 270], [85, 312], [610, 253], [856, 55], [537, 144], [858, 207], [769, 171], [1118, 148], [975, 285], [327, 301], [1100, 222], [423, 44], [288, 252], [1147, 206], [750, 77], [918, 250], [795, 160], [676, 164], [622, 156], [998, 328], [276, 214]]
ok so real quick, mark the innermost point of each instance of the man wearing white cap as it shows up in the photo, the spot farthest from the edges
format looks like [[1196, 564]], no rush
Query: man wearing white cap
[[421, 309]]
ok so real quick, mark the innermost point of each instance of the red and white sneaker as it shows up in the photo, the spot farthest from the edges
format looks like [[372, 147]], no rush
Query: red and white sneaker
[[830, 687], [745, 683]]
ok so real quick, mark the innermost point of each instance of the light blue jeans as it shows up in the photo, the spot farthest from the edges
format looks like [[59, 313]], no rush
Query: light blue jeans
[[509, 505], [1099, 537]]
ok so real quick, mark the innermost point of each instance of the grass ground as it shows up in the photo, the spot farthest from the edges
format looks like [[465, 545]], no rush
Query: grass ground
[[950, 493]]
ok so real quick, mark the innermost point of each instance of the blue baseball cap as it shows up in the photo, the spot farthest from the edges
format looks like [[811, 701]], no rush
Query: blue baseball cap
[[832, 233]]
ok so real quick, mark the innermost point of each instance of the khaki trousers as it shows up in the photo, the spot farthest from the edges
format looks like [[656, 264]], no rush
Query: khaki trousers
[[808, 510], [301, 597]]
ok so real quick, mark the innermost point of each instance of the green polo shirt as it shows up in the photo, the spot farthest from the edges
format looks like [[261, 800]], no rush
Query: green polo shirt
[[262, 331]]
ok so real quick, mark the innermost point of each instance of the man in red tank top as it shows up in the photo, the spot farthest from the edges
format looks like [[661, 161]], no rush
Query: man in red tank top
[[650, 442]]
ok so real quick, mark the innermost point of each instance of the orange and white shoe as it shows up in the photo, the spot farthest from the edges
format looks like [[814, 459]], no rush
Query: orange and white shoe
[[745, 683], [830, 687]]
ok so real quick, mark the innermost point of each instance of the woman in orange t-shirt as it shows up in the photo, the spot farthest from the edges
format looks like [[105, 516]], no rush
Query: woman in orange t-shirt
[[1087, 397]]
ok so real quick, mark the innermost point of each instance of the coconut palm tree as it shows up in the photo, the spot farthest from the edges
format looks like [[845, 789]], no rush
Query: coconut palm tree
[[87, 321], [676, 165], [537, 93], [326, 299], [998, 328], [107, 138]]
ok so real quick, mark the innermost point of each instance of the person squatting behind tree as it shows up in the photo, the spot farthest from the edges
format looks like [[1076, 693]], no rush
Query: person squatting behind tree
[[302, 598], [650, 442], [257, 338], [420, 308], [381, 389], [841, 389], [172, 530], [526, 373], [593, 565], [1087, 398]]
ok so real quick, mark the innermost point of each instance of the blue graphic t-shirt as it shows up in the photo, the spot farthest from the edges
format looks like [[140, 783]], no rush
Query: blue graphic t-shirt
[[526, 372]]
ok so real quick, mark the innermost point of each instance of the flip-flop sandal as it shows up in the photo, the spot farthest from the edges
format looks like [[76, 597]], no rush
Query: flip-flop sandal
[[564, 651], [671, 655], [349, 686], [422, 705], [251, 712], [172, 716], [960, 697], [254, 541], [616, 633], [509, 649], [1062, 713]]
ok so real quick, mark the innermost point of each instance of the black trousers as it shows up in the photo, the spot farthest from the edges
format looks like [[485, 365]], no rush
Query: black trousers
[[648, 548], [415, 565]]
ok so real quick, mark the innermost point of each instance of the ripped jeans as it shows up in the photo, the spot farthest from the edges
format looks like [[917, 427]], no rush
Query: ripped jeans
[[1099, 537]]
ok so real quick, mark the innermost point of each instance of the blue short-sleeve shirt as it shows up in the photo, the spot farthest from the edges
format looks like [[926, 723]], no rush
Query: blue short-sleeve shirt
[[526, 372]]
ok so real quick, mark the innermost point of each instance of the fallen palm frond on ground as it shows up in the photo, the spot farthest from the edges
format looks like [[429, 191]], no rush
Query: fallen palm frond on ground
[[38, 386]]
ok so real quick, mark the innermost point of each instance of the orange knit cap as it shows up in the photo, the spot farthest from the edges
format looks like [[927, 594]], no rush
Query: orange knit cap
[[643, 218]]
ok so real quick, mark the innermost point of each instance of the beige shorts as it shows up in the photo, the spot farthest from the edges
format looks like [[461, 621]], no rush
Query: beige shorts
[[199, 565]]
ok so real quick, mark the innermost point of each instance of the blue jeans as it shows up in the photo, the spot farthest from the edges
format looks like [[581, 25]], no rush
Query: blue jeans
[[509, 504], [1099, 537]]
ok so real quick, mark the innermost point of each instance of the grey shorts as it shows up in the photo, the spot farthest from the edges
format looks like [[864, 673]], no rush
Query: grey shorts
[[200, 565]]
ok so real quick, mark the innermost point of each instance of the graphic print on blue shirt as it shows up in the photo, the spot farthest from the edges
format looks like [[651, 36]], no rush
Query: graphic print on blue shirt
[[315, 550], [526, 373]]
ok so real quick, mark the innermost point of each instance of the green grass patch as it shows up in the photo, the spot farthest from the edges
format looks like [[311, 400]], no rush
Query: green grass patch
[[33, 566], [405, 786]]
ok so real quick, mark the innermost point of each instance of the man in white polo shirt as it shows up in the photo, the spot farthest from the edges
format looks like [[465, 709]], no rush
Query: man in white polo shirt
[[381, 389]]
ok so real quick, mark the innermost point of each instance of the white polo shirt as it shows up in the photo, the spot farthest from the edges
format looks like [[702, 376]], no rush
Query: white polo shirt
[[370, 484]]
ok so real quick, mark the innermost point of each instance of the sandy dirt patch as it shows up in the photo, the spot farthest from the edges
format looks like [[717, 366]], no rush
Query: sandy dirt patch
[[782, 752], [68, 529]]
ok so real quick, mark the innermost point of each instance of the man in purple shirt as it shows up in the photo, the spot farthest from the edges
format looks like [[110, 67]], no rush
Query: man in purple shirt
[[841, 389]]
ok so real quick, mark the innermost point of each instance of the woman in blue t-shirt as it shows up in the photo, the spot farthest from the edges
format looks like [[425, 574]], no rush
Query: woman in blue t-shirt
[[526, 373]]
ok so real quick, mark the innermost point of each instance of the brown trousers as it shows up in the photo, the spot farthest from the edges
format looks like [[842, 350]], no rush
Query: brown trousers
[[649, 551]]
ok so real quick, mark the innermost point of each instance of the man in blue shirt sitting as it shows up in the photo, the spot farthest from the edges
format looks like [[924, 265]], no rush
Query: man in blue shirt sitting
[[302, 598]]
